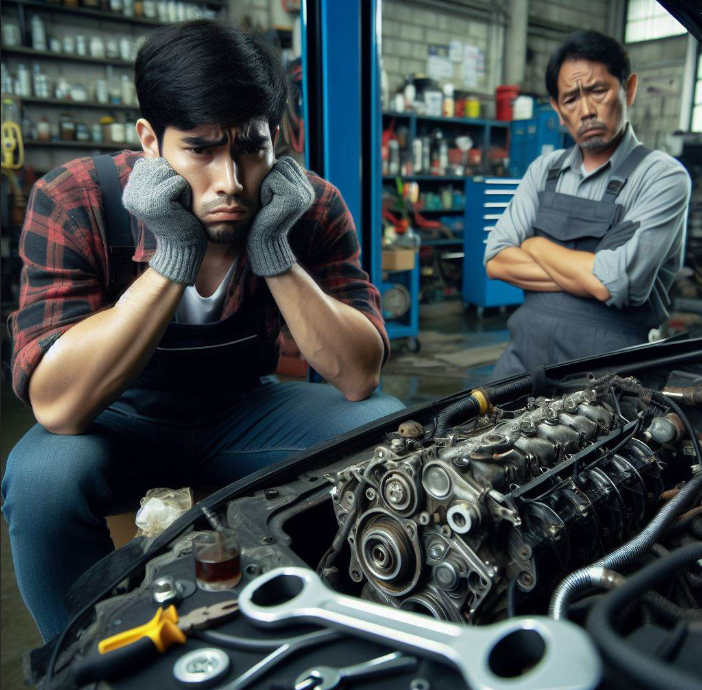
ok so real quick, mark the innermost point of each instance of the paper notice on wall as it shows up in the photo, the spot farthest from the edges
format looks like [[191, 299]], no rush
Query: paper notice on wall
[[473, 65], [439, 65], [456, 51]]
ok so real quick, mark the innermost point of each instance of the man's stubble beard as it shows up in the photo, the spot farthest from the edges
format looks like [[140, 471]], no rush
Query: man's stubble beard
[[226, 233]]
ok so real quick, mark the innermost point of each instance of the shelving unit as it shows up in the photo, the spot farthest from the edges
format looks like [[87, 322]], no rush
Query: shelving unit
[[47, 54], [485, 135], [56, 103], [55, 7], [92, 145], [62, 16], [60, 21]]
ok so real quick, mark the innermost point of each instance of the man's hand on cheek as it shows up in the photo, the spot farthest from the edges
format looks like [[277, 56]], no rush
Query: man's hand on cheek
[[159, 197], [286, 195]]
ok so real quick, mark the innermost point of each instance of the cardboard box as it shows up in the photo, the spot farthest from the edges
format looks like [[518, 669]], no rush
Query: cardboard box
[[399, 259]]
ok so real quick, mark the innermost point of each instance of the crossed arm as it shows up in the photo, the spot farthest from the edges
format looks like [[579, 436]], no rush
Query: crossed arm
[[540, 265]]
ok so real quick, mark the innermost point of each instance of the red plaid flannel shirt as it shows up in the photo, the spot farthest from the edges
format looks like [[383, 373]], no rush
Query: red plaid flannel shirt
[[66, 273]]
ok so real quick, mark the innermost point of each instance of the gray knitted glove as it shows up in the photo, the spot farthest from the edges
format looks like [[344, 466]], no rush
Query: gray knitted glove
[[159, 197], [285, 196]]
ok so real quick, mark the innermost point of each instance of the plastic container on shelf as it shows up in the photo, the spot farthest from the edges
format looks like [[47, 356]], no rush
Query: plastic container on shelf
[[81, 45], [11, 36], [448, 107], [67, 127], [43, 130], [97, 47], [472, 107], [505, 96], [38, 33], [24, 81], [523, 108]]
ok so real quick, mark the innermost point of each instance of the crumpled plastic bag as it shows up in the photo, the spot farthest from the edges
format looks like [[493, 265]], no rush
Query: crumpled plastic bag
[[160, 508]]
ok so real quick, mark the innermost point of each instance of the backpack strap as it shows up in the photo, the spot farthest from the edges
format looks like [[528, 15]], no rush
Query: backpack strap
[[117, 219]]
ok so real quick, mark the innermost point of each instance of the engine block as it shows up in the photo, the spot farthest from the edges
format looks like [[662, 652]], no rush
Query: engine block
[[511, 499]]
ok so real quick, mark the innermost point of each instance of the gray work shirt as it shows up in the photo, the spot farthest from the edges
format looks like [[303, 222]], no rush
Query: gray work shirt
[[656, 196]]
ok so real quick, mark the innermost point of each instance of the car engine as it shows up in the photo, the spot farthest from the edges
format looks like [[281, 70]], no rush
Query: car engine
[[576, 497], [463, 526]]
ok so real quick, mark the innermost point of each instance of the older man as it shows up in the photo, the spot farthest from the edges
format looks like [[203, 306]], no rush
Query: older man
[[594, 234]]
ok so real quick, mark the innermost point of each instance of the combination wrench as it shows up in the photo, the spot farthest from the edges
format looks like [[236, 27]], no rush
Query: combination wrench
[[521, 653]]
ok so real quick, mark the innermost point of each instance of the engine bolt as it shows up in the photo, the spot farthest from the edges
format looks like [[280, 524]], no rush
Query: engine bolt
[[436, 551], [527, 427], [370, 494], [266, 540], [525, 579], [397, 444], [271, 493], [395, 492]]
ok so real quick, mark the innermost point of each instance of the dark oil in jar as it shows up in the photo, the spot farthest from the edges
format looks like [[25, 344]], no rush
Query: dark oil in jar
[[218, 569]]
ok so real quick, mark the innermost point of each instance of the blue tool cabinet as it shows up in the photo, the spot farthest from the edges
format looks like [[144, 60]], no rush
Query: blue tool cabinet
[[532, 138], [486, 200]]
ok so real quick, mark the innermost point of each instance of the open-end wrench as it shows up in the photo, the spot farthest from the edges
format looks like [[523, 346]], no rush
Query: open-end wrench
[[329, 678], [521, 653]]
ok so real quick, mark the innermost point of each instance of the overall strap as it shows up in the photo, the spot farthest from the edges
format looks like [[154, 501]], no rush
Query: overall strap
[[117, 219], [622, 174], [555, 170]]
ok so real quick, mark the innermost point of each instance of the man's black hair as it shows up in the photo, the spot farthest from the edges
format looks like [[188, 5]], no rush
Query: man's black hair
[[592, 46], [208, 72]]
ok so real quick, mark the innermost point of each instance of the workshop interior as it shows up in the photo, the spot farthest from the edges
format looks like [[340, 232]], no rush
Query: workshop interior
[[505, 529]]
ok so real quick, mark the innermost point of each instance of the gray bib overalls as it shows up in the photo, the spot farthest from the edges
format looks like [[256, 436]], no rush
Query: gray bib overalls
[[552, 327]]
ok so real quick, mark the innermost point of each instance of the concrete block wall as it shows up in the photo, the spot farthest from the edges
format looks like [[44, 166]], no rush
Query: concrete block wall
[[409, 28], [660, 66], [550, 21]]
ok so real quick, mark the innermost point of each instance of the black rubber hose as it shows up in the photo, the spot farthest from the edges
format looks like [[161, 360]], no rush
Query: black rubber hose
[[695, 528], [461, 410], [668, 610], [469, 407], [651, 673], [342, 534]]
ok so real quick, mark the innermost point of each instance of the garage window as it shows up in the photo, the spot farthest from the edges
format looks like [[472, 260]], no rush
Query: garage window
[[646, 20]]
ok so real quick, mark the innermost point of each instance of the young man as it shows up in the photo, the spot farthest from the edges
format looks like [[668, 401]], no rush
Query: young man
[[160, 378], [594, 235]]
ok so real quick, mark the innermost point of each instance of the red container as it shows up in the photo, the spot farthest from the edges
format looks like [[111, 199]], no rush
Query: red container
[[505, 96]]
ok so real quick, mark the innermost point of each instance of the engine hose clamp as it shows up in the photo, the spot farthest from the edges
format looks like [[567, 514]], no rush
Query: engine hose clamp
[[484, 404]]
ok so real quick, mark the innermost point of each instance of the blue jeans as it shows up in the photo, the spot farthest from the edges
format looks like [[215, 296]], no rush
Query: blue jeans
[[59, 489]]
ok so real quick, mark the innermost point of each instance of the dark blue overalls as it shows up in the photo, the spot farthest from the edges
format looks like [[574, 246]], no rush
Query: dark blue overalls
[[552, 327]]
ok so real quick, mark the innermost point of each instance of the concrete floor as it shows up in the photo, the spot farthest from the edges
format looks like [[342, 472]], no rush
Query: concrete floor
[[17, 630]]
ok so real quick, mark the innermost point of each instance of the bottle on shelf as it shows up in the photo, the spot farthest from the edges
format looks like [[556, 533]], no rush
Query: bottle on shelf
[[426, 155], [410, 93], [448, 109], [43, 129], [67, 127], [38, 33], [394, 157], [23, 81], [417, 156]]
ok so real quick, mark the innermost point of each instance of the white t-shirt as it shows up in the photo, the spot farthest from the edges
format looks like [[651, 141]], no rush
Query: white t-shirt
[[196, 309]]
